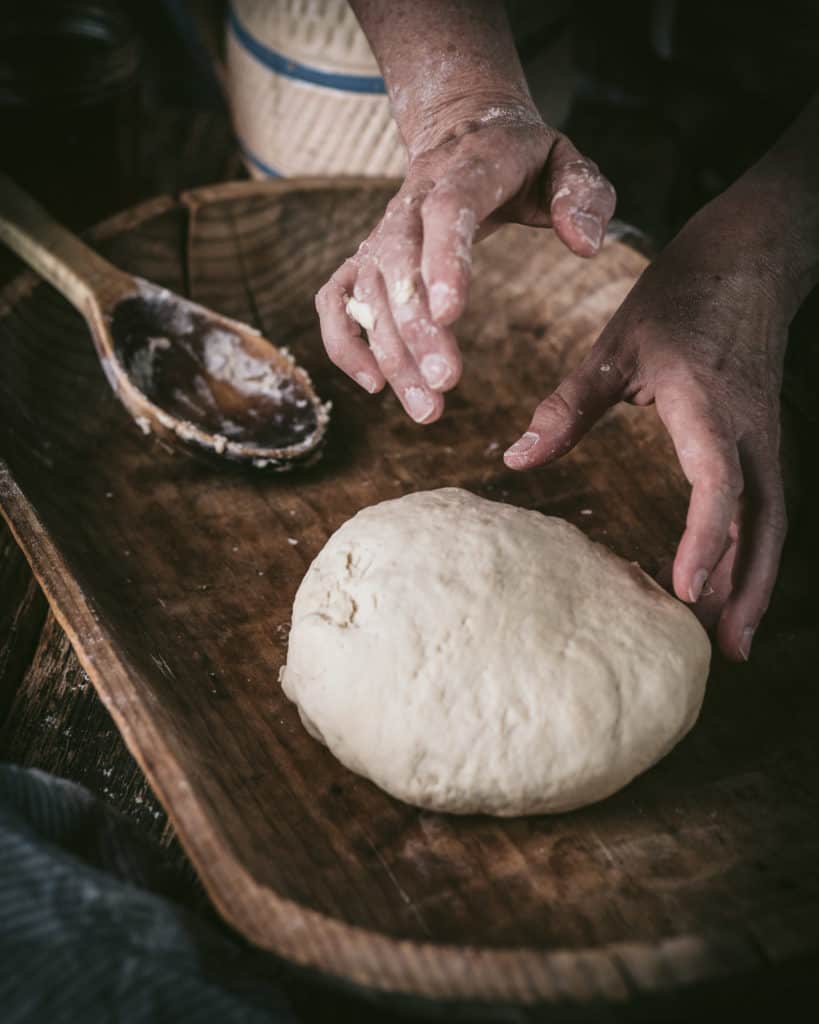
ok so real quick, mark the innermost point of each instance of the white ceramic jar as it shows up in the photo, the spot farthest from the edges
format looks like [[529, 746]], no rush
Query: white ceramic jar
[[306, 92]]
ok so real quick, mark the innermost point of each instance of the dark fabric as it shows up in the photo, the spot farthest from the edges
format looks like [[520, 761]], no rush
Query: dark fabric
[[81, 941]]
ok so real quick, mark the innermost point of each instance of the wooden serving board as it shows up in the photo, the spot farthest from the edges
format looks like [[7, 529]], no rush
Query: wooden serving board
[[175, 581]]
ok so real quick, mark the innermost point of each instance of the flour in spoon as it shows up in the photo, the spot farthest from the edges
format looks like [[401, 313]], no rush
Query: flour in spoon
[[225, 359]]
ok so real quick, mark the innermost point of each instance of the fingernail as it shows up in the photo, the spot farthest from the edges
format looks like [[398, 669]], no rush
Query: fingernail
[[435, 370], [590, 227], [440, 299], [367, 382], [524, 444], [745, 642], [419, 404], [697, 583]]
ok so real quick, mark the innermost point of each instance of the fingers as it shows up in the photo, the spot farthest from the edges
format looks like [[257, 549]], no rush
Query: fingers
[[562, 419], [391, 354], [470, 191], [717, 588], [432, 346], [581, 199], [763, 526], [708, 456], [728, 557], [341, 334], [381, 289]]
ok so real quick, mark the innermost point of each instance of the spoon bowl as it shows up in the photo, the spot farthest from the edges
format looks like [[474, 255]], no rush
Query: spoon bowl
[[201, 382], [204, 381]]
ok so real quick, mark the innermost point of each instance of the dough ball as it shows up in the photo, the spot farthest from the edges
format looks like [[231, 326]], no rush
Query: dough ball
[[473, 657]]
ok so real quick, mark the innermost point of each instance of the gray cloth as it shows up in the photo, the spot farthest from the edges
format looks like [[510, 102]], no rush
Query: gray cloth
[[81, 939]]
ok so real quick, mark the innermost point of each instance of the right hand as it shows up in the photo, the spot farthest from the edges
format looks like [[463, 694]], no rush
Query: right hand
[[702, 334], [410, 277]]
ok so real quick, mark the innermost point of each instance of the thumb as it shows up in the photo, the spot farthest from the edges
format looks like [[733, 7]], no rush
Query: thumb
[[563, 418], [581, 200]]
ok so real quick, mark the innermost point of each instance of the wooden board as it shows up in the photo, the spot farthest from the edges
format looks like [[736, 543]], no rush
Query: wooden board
[[175, 582]]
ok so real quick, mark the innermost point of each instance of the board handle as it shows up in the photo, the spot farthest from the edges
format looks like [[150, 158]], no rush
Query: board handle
[[74, 269]]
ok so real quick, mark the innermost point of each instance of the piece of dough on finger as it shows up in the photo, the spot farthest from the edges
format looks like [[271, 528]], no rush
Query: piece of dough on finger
[[361, 312]]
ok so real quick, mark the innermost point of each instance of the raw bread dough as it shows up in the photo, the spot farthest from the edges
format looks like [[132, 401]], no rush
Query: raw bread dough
[[469, 656], [362, 313]]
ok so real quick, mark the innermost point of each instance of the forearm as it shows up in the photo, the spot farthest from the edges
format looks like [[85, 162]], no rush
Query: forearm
[[445, 64]]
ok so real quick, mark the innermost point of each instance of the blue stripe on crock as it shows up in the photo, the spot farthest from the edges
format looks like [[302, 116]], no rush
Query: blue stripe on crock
[[282, 65], [251, 158]]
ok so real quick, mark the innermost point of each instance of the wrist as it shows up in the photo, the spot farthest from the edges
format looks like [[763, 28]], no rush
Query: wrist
[[450, 115], [782, 191], [773, 223], [432, 55]]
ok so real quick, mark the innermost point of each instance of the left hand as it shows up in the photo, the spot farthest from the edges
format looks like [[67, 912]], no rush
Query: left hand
[[702, 334]]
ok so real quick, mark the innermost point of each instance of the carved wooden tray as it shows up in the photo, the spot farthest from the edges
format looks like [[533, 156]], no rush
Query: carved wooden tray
[[175, 580]]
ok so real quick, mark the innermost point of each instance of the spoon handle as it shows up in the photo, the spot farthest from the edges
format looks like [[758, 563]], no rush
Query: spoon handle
[[80, 274]]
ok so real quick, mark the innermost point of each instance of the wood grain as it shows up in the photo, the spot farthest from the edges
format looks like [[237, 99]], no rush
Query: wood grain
[[175, 583], [22, 613], [52, 720]]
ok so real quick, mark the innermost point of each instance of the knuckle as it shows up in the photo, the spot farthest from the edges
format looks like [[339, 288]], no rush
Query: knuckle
[[405, 309], [553, 410], [398, 204], [330, 293], [391, 358], [400, 245], [439, 203], [445, 200], [723, 478], [389, 363], [398, 222], [730, 478], [336, 349], [340, 277], [364, 289], [400, 252], [363, 251], [419, 331], [409, 197]]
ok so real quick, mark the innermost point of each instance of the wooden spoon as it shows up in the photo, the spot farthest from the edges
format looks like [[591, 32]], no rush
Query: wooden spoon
[[205, 383]]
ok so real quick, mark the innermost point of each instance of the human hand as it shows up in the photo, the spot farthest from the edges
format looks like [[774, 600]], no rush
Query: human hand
[[703, 335], [409, 280]]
